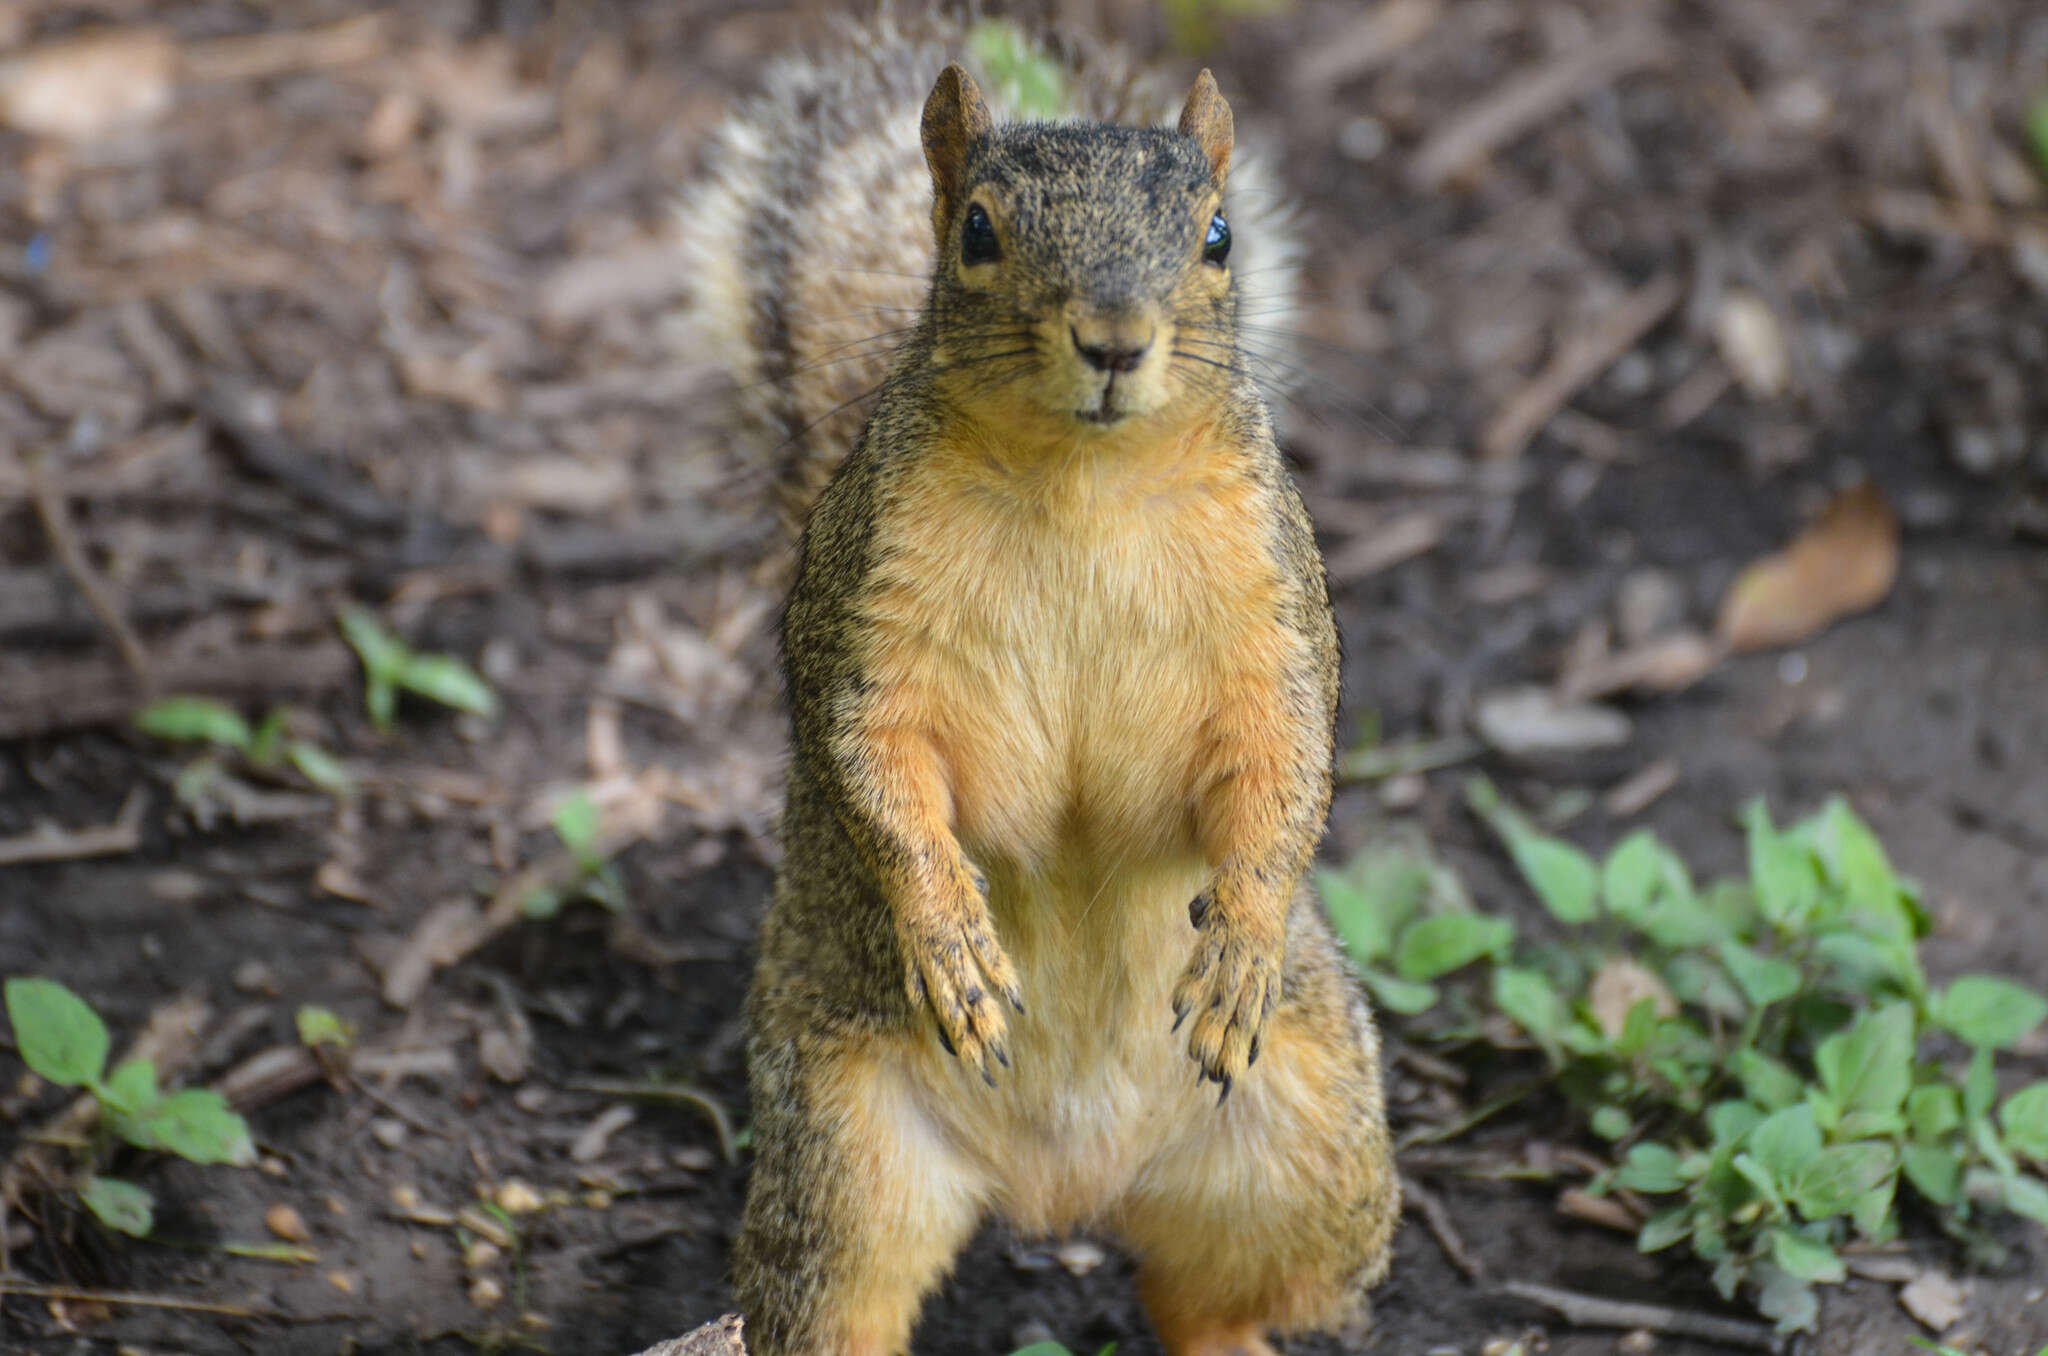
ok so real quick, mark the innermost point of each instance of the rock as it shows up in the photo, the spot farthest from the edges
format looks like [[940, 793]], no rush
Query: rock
[[719, 1337]]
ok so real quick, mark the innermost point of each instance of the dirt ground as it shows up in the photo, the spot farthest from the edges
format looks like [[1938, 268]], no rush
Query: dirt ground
[[374, 307]]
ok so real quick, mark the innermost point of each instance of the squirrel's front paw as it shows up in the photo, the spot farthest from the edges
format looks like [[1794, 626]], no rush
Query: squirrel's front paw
[[954, 965], [1230, 988]]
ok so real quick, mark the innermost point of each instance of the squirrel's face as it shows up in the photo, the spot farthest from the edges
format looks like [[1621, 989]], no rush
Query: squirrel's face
[[1082, 271]]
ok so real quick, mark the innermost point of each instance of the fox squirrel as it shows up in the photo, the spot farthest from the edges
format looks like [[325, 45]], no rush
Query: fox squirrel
[[1063, 678]]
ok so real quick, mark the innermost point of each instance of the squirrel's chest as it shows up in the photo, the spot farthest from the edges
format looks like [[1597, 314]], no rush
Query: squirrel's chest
[[1068, 673]]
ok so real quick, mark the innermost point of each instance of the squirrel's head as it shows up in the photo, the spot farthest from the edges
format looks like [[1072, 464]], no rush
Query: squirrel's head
[[1082, 269]]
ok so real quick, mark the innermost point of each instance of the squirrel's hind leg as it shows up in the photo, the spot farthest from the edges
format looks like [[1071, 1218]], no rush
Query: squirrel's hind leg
[[1275, 1210], [857, 1206]]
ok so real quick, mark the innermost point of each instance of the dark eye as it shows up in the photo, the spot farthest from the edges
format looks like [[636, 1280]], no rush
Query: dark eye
[[1216, 244], [978, 238]]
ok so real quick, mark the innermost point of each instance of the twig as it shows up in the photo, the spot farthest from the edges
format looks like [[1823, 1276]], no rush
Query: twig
[[1590, 1311], [37, 1290], [1522, 103], [46, 697], [1585, 356], [49, 497], [728, 1148], [1426, 1203], [49, 843]]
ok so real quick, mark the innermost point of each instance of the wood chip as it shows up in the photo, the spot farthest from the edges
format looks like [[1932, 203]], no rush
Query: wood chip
[[1842, 565], [1578, 361], [1520, 104], [1635, 793]]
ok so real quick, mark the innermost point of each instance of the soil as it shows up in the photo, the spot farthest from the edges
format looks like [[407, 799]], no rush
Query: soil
[[377, 313]]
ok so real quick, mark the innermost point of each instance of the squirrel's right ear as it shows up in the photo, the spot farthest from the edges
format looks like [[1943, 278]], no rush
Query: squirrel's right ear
[[955, 118], [1207, 119]]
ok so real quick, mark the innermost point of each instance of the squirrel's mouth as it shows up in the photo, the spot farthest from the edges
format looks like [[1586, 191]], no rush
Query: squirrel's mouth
[[1110, 410]]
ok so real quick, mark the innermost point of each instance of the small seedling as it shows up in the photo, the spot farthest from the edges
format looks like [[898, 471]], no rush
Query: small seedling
[[1765, 1054], [64, 1041], [578, 824], [390, 666], [1057, 1349], [321, 1026], [1406, 921], [201, 720]]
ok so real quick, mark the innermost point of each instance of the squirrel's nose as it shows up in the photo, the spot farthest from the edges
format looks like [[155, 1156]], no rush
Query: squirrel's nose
[[1112, 352]]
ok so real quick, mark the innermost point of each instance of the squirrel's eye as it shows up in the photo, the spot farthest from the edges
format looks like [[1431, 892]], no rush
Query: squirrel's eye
[[978, 238], [1216, 245]]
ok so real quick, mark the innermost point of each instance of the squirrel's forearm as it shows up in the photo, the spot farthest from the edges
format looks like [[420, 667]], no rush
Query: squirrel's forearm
[[1261, 814], [896, 808]]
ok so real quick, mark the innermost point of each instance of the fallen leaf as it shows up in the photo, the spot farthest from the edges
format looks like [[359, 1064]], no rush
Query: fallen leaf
[[1534, 722], [1842, 565], [1618, 987], [86, 87], [1934, 1298], [1752, 343], [286, 1223]]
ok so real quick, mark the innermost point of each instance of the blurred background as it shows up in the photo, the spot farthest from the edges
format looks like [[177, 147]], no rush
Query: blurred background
[[316, 305]]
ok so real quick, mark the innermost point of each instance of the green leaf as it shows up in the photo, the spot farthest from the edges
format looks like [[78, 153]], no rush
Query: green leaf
[[1664, 1228], [319, 767], [1932, 1111], [262, 750], [380, 699], [1984, 1138], [1787, 1298], [1857, 859], [384, 656], [1780, 870], [1398, 995], [1806, 1259], [1980, 1085], [1865, 964], [1785, 1142], [60, 1038], [1764, 980], [1730, 1122], [197, 1126], [187, 719], [1530, 1000], [1435, 946], [1631, 875], [121, 1206], [1830, 1183], [576, 822], [1872, 1212], [131, 1089], [1934, 1170], [2037, 137], [2025, 1118], [1562, 875], [1610, 1122], [1032, 84], [1366, 935], [1650, 1167], [1768, 1082], [1869, 1067], [1043, 1349], [1987, 1011], [2025, 1196], [541, 903], [445, 679], [322, 1026]]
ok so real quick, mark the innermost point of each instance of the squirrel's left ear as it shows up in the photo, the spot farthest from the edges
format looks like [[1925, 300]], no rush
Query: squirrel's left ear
[[955, 118], [1207, 119]]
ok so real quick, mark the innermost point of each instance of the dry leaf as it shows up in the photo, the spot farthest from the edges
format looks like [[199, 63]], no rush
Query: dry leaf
[[1752, 343], [1618, 987], [82, 88], [1934, 1298], [1842, 565]]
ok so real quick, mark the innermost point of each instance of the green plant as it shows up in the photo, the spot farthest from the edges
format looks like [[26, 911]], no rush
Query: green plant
[[322, 1026], [1017, 73], [1057, 1349], [577, 823], [2037, 132], [64, 1041], [1766, 1053], [1406, 921], [201, 720], [390, 666]]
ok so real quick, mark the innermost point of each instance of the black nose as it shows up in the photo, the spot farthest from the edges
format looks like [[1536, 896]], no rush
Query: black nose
[[1110, 357]]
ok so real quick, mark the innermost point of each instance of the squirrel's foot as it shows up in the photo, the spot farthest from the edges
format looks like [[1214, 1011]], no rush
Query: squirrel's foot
[[1229, 988], [954, 965]]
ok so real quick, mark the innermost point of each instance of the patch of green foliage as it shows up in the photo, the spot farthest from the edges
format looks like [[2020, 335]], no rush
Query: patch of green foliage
[[1197, 25], [390, 667], [266, 747], [1772, 1073], [320, 1026], [578, 824], [64, 1041], [1018, 73], [2037, 132]]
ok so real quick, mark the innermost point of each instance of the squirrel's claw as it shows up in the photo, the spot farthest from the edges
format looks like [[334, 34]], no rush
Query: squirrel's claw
[[957, 970], [1230, 986]]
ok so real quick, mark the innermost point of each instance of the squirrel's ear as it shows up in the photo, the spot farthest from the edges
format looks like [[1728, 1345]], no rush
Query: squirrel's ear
[[1207, 119], [955, 118]]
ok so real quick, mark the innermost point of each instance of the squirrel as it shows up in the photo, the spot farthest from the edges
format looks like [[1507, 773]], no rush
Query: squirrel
[[803, 245], [1063, 678]]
